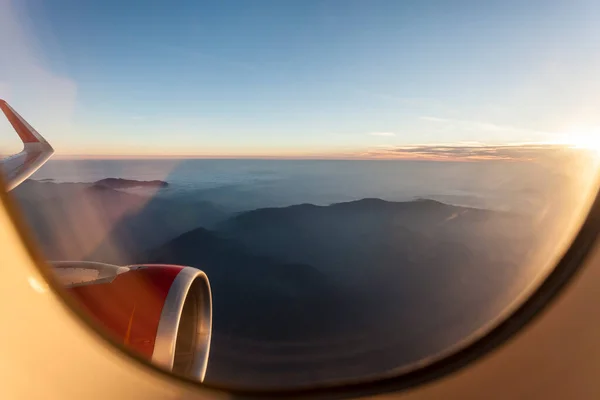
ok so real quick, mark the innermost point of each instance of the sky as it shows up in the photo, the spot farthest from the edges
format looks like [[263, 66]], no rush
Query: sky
[[300, 78]]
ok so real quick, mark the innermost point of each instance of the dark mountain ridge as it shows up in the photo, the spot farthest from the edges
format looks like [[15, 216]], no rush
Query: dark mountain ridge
[[120, 183], [374, 283], [251, 292]]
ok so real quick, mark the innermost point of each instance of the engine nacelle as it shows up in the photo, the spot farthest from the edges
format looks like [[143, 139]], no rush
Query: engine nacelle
[[161, 312]]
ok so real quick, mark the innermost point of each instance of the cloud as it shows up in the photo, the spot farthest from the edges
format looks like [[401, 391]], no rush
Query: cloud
[[434, 119], [473, 152], [384, 134]]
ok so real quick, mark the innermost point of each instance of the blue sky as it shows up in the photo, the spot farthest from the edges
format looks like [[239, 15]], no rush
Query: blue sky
[[324, 77]]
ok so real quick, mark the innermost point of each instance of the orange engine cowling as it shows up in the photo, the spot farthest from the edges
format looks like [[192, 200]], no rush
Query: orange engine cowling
[[161, 312]]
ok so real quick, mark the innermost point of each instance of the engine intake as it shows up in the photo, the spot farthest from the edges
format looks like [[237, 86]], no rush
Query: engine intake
[[183, 337]]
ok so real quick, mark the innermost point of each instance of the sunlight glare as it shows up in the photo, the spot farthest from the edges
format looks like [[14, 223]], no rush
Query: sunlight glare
[[588, 139]]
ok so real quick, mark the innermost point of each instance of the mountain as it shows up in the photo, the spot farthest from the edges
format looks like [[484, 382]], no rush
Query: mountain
[[251, 292], [376, 239], [120, 183], [351, 288], [398, 257], [259, 304]]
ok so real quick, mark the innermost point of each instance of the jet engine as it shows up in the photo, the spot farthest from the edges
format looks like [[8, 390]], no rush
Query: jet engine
[[161, 312]]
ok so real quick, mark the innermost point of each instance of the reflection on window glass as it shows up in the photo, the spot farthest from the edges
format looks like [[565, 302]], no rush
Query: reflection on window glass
[[368, 185]]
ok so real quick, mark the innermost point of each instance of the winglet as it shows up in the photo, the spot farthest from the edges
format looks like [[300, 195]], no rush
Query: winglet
[[35, 153]]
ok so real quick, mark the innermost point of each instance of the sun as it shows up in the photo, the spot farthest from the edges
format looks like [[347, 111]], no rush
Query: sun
[[588, 139], [587, 142]]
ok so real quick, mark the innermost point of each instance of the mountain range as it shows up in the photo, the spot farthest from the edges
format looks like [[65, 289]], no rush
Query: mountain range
[[305, 291]]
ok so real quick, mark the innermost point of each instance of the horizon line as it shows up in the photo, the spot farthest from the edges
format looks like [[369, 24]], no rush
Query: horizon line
[[274, 158], [406, 152]]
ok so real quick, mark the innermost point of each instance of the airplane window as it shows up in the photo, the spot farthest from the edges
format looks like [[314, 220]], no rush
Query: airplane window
[[278, 195]]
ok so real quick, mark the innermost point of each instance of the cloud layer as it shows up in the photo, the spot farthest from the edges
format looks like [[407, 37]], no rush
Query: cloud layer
[[525, 152]]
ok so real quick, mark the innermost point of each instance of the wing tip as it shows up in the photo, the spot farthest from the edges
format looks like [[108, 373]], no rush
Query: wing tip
[[26, 132], [35, 153]]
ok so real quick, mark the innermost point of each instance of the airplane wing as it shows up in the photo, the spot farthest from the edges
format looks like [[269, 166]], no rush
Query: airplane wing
[[36, 150], [80, 273]]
